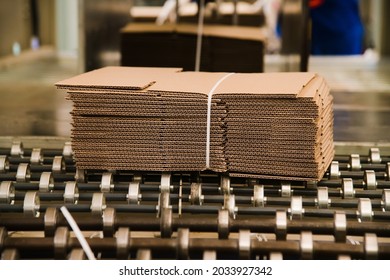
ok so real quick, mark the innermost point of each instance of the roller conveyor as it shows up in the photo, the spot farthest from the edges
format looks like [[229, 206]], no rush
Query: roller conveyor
[[191, 215]]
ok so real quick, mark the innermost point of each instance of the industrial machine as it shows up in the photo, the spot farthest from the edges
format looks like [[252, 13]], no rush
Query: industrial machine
[[200, 215]]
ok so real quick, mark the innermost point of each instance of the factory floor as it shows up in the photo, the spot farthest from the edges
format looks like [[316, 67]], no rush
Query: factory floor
[[30, 104]]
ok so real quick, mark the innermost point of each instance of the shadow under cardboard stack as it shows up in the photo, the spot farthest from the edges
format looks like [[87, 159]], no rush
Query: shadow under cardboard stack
[[224, 48], [262, 125]]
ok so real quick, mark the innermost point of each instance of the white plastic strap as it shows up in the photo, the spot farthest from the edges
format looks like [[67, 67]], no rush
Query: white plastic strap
[[200, 34], [80, 237], [210, 95]]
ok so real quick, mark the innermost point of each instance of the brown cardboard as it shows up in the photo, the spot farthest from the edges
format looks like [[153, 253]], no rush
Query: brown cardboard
[[226, 31], [223, 31], [275, 84], [148, 27], [277, 125]]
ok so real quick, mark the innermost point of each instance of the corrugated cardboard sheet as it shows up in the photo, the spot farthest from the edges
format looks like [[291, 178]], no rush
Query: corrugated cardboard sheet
[[272, 126]]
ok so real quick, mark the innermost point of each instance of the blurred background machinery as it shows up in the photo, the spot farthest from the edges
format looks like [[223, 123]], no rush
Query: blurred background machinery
[[75, 36]]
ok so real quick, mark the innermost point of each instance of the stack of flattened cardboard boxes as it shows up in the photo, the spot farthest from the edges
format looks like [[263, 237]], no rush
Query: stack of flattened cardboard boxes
[[272, 126], [278, 125], [224, 48]]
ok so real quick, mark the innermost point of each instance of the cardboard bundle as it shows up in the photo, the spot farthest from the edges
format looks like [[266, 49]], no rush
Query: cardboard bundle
[[124, 120], [224, 48], [272, 126], [278, 125]]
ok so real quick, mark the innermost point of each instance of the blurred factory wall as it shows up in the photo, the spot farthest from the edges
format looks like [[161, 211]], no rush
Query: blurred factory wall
[[67, 21], [89, 29], [15, 26], [385, 31], [101, 21], [376, 15], [21, 20], [47, 27]]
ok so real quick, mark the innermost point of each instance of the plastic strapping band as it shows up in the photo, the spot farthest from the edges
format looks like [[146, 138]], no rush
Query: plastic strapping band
[[210, 95], [199, 36], [80, 237]]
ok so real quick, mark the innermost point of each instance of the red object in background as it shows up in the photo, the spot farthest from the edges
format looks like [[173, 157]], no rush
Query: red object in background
[[316, 3]]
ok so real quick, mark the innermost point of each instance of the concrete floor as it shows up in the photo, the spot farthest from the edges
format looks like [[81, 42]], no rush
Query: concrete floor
[[29, 102], [30, 105], [361, 90]]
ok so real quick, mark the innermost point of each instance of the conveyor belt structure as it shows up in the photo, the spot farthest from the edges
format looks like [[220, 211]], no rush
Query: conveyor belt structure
[[199, 215]]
